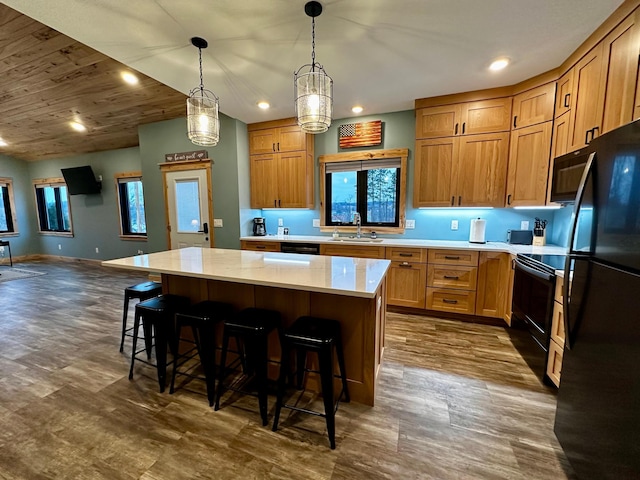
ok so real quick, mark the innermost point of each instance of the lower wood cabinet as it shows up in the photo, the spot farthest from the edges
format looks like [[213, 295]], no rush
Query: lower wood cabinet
[[259, 246], [494, 270], [359, 251], [406, 283], [556, 344], [449, 300]]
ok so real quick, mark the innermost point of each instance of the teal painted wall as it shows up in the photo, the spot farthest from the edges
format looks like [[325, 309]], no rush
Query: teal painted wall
[[25, 242], [431, 224]]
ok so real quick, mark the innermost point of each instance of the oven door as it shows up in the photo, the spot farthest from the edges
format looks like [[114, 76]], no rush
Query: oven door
[[533, 292]]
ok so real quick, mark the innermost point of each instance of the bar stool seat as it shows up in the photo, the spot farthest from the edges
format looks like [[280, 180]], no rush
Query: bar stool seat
[[141, 291], [322, 336], [202, 318], [252, 327], [157, 317]]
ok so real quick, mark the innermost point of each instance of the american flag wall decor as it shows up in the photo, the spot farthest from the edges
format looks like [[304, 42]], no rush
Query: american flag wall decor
[[360, 134]]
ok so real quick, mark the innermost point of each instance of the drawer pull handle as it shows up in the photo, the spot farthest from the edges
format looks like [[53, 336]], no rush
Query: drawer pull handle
[[260, 247], [451, 277], [405, 265], [446, 300], [451, 257], [405, 254]]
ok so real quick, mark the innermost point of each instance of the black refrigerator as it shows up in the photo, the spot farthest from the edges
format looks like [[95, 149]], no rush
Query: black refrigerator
[[598, 414]]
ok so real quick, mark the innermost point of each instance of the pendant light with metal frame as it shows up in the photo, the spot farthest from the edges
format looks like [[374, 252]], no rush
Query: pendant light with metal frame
[[203, 124], [313, 88]]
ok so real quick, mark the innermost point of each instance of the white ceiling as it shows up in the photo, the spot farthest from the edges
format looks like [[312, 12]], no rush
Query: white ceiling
[[382, 54]]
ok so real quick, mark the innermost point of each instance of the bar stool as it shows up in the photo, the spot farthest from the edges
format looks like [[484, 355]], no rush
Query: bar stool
[[141, 291], [157, 316], [252, 326], [320, 335], [202, 318]]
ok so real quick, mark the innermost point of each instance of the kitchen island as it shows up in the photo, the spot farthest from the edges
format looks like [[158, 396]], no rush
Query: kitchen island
[[350, 290]]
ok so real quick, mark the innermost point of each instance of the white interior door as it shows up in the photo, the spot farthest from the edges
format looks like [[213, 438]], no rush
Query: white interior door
[[188, 208]]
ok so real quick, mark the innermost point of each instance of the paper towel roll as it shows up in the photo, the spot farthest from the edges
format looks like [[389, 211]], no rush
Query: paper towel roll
[[476, 234]]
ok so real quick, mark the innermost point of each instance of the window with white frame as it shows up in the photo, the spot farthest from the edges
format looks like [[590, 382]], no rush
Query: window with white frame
[[52, 203], [7, 208], [131, 205]]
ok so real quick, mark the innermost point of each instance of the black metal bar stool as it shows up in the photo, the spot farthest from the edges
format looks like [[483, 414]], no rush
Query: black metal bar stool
[[252, 327], [320, 335], [202, 318], [157, 316], [141, 291]]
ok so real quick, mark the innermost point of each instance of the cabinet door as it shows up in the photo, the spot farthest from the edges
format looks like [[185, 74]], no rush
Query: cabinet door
[[511, 275], [621, 50], [358, 251], [291, 139], [564, 94], [406, 284], [264, 181], [441, 121], [529, 165], [534, 106], [486, 116], [493, 284], [292, 179], [262, 141], [481, 170], [433, 172], [586, 115]]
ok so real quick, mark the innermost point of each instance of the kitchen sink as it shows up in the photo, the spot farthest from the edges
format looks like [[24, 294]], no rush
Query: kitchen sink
[[359, 240]]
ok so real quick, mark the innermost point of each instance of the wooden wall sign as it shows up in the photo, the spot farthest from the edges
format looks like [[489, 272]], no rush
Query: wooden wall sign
[[179, 157], [367, 134]]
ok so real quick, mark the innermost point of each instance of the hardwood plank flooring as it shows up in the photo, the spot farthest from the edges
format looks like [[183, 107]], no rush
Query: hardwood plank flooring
[[456, 401]]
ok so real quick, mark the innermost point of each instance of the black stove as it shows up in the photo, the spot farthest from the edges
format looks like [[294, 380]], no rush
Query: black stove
[[546, 263]]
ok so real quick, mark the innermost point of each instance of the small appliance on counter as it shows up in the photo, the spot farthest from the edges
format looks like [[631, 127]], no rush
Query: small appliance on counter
[[477, 231], [259, 227], [520, 237], [540, 233]]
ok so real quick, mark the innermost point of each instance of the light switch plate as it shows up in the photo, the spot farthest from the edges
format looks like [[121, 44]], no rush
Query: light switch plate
[[217, 222], [524, 225], [411, 224], [280, 222], [454, 224], [316, 222]]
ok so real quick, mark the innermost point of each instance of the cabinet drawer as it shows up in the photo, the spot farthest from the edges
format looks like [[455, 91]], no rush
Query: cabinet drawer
[[557, 324], [358, 251], [445, 300], [454, 257], [444, 276], [554, 362], [260, 246], [559, 295], [407, 254]]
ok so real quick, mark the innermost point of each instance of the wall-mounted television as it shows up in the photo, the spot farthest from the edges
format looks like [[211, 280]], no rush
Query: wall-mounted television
[[81, 180]]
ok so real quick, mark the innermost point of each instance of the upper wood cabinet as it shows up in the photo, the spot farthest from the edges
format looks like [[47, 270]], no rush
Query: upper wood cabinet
[[281, 162], [529, 165], [534, 106], [469, 118], [564, 94], [434, 184]]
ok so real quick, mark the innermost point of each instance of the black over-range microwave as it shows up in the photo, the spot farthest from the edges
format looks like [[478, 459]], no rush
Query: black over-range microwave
[[567, 174]]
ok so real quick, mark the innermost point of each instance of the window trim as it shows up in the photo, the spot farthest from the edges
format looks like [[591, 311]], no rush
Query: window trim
[[127, 176], [8, 182], [52, 182], [364, 156]]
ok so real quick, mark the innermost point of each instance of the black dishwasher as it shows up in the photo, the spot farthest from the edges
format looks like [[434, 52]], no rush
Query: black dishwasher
[[297, 247]]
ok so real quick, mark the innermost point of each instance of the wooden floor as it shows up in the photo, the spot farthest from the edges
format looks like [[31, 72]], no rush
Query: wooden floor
[[456, 401]]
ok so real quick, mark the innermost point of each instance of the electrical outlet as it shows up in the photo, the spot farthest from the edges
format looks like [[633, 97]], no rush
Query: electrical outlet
[[316, 222], [280, 222], [410, 224], [524, 225], [1, 249], [454, 224], [97, 250], [140, 252], [217, 223], [59, 247]]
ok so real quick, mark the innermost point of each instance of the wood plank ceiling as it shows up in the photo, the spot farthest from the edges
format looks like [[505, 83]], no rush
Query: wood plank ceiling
[[48, 80]]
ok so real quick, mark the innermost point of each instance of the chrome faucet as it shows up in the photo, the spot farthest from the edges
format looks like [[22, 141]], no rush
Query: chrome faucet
[[357, 220]]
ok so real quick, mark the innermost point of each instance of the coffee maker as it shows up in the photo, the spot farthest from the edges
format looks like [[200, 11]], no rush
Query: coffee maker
[[259, 227]]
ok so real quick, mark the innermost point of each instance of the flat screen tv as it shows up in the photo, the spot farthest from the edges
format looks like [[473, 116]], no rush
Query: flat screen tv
[[81, 180]]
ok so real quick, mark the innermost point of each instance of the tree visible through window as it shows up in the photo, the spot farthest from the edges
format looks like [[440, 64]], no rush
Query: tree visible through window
[[132, 214], [53, 208], [6, 206]]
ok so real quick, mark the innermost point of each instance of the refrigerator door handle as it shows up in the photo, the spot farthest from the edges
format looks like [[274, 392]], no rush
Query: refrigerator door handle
[[579, 200]]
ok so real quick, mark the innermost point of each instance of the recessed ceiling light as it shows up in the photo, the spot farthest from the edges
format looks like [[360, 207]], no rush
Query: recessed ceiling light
[[263, 105], [130, 78], [3, 143], [78, 127], [499, 64], [357, 109]]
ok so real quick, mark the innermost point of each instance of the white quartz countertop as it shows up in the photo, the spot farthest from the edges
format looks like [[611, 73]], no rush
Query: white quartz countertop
[[356, 277], [418, 243]]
